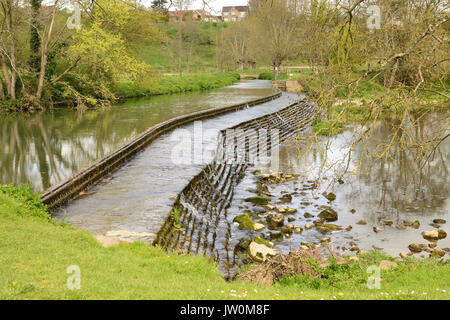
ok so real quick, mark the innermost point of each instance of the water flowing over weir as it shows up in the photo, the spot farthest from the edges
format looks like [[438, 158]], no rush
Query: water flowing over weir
[[199, 223], [140, 195]]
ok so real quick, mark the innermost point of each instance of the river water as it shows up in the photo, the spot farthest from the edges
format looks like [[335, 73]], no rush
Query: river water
[[382, 192], [49, 147]]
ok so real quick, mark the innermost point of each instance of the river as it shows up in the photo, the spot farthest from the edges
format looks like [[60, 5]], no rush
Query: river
[[48, 147]]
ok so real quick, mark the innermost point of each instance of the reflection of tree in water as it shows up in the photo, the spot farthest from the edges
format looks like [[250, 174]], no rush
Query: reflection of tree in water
[[403, 180], [48, 147]]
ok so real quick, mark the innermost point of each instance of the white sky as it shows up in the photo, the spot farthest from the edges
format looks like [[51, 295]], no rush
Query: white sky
[[214, 4]]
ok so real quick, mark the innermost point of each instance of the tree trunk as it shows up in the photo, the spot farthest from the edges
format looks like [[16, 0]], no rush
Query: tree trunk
[[35, 40], [2, 93], [44, 57], [6, 75]]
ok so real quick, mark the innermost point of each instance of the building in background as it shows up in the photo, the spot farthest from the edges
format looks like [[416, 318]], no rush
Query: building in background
[[234, 13]]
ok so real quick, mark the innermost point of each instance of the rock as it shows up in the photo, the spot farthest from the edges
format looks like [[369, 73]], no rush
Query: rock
[[245, 222], [362, 222], [388, 222], [416, 248], [401, 227], [259, 252], [377, 230], [415, 224], [107, 241], [318, 222], [354, 248], [435, 225], [434, 235], [258, 226], [439, 221], [265, 242], [308, 226], [442, 234], [275, 220], [432, 245], [309, 245], [131, 235], [330, 196], [287, 231], [298, 230], [349, 228], [243, 244], [329, 215], [308, 215], [402, 255], [277, 236], [386, 265], [258, 200], [290, 219], [437, 253], [325, 240], [285, 210], [287, 198], [353, 211], [304, 247]]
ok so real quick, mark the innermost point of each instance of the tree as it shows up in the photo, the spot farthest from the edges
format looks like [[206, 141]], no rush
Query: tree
[[275, 26]]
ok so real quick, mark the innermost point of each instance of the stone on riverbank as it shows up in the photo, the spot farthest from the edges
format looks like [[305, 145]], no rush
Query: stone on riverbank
[[329, 215], [417, 248], [386, 265], [434, 235], [437, 253], [260, 252], [275, 220], [265, 242], [245, 222], [258, 200]]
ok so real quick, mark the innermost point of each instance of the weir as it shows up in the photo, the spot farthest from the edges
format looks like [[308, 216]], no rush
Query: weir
[[58, 195], [199, 223], [140, 195]]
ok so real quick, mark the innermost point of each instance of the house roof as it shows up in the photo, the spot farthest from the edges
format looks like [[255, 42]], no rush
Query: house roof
[[238, 8]]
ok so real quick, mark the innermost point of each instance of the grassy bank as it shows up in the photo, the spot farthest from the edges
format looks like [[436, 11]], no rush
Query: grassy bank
[[36, 252], [349, 99], [174, 83]]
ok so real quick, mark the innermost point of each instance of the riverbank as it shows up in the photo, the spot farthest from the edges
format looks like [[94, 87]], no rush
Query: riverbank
[[36, 252], [353, 98], [174, 83]]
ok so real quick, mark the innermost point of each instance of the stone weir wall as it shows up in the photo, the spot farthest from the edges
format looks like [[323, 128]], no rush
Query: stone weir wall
[[198, 223], [60, 194]]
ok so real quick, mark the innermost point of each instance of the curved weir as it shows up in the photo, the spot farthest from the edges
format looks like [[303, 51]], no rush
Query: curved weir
[[140, 195], [199, 221]]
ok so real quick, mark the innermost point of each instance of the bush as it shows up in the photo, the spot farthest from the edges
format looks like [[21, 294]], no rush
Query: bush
[[29, 200]]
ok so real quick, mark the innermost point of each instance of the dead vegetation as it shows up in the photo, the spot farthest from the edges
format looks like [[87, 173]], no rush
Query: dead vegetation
[[302, 262]]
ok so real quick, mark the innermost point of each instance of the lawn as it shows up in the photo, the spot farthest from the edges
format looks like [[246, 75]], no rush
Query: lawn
[[36, 252]]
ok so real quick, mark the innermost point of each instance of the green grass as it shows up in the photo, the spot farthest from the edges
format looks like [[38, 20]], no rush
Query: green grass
[[175, 83], [36, 252]]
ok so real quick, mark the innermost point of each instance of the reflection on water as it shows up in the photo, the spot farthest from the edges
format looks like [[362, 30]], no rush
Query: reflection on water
[[49, 147], [393, 188]]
